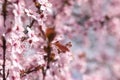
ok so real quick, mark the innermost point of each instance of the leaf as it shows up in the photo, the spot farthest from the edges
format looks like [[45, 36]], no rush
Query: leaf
[[50, 34], [52, 57], [37, 4], [61, 47]]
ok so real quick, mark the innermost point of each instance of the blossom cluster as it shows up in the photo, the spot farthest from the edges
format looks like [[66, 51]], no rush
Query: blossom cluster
[[30, 49]]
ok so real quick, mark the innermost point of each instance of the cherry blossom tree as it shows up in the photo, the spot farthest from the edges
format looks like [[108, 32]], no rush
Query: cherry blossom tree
[[36, 38]]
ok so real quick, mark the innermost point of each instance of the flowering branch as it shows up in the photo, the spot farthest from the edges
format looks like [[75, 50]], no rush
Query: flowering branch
[[50, 35]]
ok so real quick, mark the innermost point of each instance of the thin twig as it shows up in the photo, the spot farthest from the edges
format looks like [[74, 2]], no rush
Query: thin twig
[[30, 25]]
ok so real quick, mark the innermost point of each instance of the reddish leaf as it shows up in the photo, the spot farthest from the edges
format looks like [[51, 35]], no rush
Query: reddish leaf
[[52, 57], [37, 4], [50, 34], [61, 47]]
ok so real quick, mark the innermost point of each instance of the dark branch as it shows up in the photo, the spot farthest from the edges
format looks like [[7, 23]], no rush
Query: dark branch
[[4, 58], [4, 10]]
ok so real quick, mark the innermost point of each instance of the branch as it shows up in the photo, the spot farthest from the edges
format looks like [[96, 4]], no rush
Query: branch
[[4, 10], [4, 53], [24, 73], [31, 24]]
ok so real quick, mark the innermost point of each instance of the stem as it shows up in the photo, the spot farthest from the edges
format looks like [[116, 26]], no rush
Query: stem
[[48, 60]]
